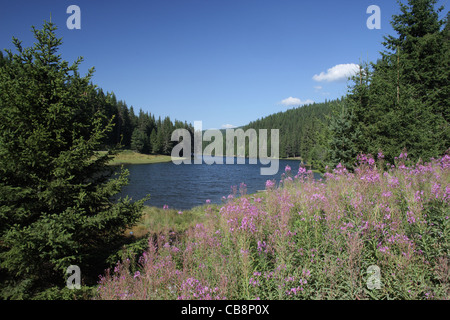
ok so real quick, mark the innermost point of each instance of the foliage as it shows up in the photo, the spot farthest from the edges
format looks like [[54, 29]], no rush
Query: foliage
[[56, 208], [142, 133], [303, 131], [402, 100]]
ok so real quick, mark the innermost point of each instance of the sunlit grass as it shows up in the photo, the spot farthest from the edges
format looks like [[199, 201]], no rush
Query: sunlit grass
[[157, 221], [132, 157]]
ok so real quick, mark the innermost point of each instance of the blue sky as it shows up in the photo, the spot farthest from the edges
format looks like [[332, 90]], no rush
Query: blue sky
[[223, 62]]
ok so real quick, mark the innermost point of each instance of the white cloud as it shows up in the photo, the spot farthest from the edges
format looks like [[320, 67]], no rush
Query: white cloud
[[318, 87], [228, 126], [295, 102], [340, 72]]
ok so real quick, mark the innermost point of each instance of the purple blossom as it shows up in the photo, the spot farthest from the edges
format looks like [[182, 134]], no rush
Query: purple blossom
[[270, 184]]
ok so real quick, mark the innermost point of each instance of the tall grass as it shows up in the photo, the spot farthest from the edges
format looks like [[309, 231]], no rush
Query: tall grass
[[307, 239]]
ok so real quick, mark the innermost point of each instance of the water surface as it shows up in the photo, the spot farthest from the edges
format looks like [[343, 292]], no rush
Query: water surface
[[185, 186]]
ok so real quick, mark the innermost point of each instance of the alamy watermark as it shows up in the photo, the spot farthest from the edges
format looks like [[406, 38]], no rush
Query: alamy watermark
[[74, 21], [74, 281], [374, 21], [374, 279], [214, 153]]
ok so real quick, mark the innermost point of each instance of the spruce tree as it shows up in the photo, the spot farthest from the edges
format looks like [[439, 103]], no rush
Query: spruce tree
[[56, 206], [140, 141], [418, 62], [343, 128], [402, 101], [155, 142]]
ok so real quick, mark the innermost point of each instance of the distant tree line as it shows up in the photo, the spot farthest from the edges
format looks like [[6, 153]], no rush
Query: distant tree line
[[142, 132], [303, 131]]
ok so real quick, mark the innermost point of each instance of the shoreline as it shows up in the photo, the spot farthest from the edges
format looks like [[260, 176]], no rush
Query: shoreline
[[125, 157], [131, 157]]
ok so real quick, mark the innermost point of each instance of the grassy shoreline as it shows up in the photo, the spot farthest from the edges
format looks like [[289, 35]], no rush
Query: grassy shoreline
[[132, 157]]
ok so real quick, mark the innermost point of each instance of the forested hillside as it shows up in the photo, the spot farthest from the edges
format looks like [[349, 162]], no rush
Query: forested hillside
[[303, 130]]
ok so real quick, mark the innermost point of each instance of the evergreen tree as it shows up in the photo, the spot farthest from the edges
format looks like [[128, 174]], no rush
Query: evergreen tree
[[345, 135], [139, 141], [125, 124], [3, 60], [165, 136], [418, 63], [55, 204], [155, 142]]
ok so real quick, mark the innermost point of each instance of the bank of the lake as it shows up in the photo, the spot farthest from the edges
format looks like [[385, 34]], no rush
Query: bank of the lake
[[133, 157]]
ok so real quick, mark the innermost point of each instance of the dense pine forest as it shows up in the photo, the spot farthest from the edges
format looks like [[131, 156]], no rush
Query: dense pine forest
[[141, 132], [303, 131]]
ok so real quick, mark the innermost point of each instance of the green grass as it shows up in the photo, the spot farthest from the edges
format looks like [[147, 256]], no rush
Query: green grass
[[132, 157], [156, 220]]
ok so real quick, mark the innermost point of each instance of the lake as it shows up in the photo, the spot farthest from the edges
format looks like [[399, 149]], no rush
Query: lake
[[185, 186]]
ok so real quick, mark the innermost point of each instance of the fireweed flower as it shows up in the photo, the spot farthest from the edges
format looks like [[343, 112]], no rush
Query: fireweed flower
[[243, 189], [262, 247], [165, 207], [384, 249], [301, 173], [270, 184], [447, 194], [436, 190], [295, 291], [306, 272], [387, 194]]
